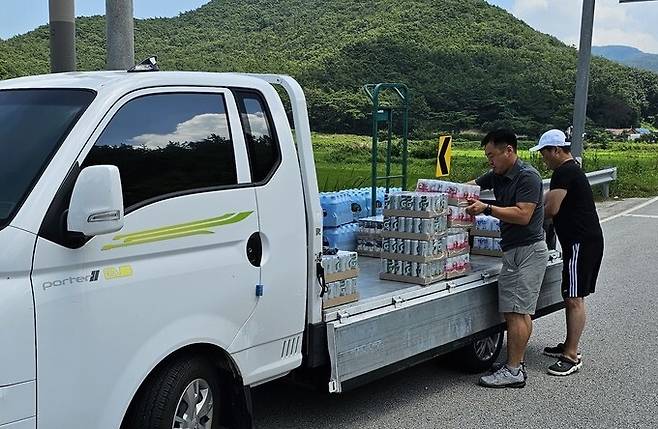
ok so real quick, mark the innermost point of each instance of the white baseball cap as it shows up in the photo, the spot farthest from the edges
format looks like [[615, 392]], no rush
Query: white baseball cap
[[551, 138]]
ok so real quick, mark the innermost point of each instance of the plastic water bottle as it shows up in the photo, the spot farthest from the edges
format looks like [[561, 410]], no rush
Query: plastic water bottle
[[380, 202], [330, 237], [356, 203], [334, 210], [346, 208]]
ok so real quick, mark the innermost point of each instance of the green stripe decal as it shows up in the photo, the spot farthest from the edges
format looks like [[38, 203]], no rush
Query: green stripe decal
[[172, 227], [173, 232]]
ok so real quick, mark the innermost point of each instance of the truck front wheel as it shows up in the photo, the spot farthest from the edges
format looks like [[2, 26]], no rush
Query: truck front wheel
[[184, 393], [479, 355]]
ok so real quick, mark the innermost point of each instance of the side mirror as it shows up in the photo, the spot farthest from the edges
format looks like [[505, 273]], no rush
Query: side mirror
[[97, 202]]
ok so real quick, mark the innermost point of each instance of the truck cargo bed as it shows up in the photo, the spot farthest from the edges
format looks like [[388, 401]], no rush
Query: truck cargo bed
[[375, 292], [395, 322], [370, 286]]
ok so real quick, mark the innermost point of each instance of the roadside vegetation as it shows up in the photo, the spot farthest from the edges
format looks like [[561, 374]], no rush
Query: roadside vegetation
[[343, 161]]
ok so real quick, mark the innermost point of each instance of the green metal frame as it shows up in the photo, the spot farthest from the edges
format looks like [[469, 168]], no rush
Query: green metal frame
[[386, 115]]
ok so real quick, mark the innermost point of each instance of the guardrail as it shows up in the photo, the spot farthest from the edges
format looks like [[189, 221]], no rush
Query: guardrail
[[596, 178], [603, 178]]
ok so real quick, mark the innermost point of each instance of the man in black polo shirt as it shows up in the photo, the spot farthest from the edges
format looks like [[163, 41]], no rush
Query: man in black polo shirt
[[519, 206], [571, 205]]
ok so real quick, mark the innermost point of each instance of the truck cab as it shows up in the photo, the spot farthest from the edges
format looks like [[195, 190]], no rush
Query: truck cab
[[146, 219]]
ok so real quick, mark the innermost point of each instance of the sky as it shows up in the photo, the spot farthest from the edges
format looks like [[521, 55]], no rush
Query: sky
[[631, 24], [15, 20]]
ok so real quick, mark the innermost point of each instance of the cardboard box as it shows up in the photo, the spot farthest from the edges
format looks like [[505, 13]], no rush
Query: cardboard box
[[483, 233], [341, 300], [343, 275]]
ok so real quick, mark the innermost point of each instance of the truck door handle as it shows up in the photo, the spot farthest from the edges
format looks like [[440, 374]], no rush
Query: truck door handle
[[255, 249]]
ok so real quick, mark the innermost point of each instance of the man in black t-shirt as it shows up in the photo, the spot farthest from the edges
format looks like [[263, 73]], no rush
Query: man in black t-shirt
[[571, 205]]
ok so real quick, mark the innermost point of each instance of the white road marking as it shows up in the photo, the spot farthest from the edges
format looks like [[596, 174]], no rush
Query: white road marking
[[641, 215], [631, 210]]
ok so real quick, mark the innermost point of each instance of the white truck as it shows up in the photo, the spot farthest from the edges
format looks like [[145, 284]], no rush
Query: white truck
[[159, 240]]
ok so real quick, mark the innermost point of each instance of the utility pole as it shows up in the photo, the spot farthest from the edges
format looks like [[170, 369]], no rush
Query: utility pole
[[120, 29], [582, 79], [62, 35]]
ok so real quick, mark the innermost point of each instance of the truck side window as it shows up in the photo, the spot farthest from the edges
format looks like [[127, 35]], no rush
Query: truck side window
[[262, 145], [166, 145]]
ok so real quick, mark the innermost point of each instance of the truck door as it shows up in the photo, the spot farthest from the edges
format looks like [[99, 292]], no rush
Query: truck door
[[178, 273], [277, 182]]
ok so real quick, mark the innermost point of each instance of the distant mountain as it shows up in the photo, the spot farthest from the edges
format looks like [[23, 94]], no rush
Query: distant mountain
[[628, 56]]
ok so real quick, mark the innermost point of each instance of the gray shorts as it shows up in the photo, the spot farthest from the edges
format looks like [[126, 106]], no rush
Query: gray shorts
[[521, 277]]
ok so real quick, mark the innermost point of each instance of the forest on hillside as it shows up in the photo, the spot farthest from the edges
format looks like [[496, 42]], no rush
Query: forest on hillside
[[469, 65]]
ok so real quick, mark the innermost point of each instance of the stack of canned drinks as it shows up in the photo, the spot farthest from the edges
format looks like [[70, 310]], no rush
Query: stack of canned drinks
[[415, 242], [459, 221], [369, 240], [371, 225], [458, 218], [434, 247], [458, 265], [457, 192], [339, 268], [486, 236], [416, 201], [424, 272], [340, 292], [457, 241], [458, 195], [414, 225], [489, 244], [459, 260], [487, 223], [340, 262]]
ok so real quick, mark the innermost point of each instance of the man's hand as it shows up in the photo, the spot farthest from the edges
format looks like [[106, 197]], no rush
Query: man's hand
[[475, 207]]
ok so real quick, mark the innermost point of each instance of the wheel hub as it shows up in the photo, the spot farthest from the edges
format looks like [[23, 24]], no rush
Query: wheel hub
[[195, 407]]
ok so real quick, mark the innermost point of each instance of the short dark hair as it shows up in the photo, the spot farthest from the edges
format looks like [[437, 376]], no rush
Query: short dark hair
[[501, 137]]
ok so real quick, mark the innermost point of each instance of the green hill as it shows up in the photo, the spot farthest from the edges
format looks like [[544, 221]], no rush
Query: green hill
[[469, 64]]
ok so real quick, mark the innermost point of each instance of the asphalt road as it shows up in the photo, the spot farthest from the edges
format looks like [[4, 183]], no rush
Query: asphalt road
[[617, 386]]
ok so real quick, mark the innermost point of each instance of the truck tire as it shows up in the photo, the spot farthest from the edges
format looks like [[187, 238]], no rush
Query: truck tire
[[479, 355], [182, 393]]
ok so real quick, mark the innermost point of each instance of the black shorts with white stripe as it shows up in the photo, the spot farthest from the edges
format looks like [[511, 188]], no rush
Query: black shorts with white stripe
[[582, 262]]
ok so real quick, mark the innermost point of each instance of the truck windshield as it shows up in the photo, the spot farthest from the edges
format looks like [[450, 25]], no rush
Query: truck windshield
[[33, 124]]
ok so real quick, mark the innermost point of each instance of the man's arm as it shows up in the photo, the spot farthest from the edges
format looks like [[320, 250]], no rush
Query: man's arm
[[553, 201], [528, 195], [520, 214]]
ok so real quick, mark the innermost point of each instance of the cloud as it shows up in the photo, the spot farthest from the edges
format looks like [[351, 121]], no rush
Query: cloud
[[195, 129], [258, 124], [614, 23]]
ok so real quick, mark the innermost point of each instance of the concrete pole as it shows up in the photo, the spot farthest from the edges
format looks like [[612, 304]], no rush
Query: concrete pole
[[582, 79], [62, 35], [120, 34]]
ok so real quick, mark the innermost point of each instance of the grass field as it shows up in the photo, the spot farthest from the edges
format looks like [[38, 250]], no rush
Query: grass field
[[343, 161]]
